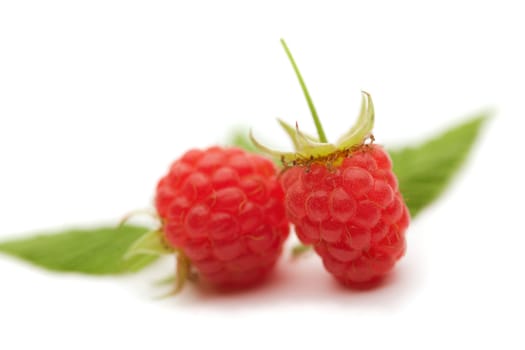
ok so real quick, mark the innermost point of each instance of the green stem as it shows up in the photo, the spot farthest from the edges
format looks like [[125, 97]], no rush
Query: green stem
[[319, 127]]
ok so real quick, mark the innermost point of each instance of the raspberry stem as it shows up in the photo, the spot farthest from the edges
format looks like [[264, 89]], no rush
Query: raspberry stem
[[183, 272], [317, 121]]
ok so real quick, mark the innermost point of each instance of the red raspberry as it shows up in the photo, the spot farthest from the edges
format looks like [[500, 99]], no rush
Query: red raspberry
[[352, 213], [343, 197], [224, 209]]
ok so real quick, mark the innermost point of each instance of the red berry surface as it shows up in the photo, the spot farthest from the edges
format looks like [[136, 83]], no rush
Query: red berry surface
[[351, 211], [224, 208]]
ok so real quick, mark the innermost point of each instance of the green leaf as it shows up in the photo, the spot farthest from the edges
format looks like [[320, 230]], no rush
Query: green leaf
[[425, 170], [98, 251]]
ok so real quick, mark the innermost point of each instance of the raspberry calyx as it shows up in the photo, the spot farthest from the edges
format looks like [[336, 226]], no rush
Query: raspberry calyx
[[309, 148]]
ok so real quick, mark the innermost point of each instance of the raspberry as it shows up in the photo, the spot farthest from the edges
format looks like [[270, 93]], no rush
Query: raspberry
[[343, 197], [223, 208], [352, 213]]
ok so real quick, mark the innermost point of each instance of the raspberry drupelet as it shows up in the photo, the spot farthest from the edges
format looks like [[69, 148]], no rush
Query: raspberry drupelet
[[223, 210]]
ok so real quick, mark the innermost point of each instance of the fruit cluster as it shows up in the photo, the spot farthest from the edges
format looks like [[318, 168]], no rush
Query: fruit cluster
[[227, 211]]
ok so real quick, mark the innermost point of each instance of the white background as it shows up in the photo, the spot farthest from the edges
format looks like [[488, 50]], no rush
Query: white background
[[98, 97]]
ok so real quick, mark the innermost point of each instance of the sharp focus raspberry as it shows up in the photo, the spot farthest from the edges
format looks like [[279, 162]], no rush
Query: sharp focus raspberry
[[352, 213], [224, 209], [343, 197]]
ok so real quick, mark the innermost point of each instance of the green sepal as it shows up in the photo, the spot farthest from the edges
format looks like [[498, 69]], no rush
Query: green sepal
[[307, 146], [362, 129], [293, 134], [151, 243], [284, 156]]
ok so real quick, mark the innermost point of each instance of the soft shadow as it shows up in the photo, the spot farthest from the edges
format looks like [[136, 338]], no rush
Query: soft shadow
[[303, 282]]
